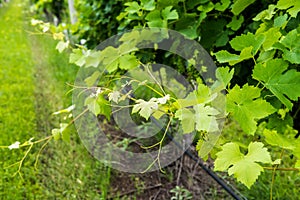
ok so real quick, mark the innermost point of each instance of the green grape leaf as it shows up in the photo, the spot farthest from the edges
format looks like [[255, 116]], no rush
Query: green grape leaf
[[93, 59], [128, 62], [98, 105], [207, 145], [113, 66], [291, 41], [145, 108], [187, 118], [224, 77], [275, 139], [61, 132], [92, 105], [167, 14], [264, 56], [154, 19], [271, 37], [282, 85], [132, 7], [223, 5], [266, 14], [90, 81], [205, 117], [209, 6], [148, 4], [240, 5], [244, 167], [105, 108], [246, 172], [281, 20], [247, 40], [61, 46], [246, 106], [229, 155], [77, 57], [224, 56], [235, 23], [202, 95], [65, 133], [114, 96], [294, 6], [56, 133]]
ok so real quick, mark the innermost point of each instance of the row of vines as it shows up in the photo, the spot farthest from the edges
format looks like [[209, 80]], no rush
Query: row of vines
[[255, 45]]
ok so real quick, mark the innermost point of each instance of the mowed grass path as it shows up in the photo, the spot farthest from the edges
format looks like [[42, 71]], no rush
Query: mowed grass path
[[33, 77]]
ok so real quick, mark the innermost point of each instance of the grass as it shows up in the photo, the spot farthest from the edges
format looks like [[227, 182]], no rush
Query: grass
[[33, 79]]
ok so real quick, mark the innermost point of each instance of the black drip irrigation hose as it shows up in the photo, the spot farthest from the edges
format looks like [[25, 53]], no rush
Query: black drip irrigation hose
[[189, 153]]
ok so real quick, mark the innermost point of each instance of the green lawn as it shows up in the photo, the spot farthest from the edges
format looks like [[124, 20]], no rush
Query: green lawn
[[33, 79]]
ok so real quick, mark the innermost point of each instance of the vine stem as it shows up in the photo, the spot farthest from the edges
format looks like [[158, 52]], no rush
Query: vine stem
[[40, 151], [22, 161], [159, 150], [281, 169]]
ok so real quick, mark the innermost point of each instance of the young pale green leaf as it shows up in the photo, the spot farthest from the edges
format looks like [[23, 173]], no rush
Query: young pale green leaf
[[257, 153], [15, 145], [61, 132], [77, 57], [229, 155], [202, 95], [145, 108], [294, 6], [92, 105], [56, 133], [105, 108], [266, 14], [283, 86], [205, 117], [244, 167], [61, 46], [113, 66], [114, 96], [58, 36], [271, 37], [246, 107], [66, 110], [187, 118], [128, 62], [91, 80], [246, 172], [240, 5], [93, 59]]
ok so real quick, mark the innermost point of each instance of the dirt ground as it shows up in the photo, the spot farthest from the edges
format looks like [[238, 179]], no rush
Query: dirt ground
[[156, 185]]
